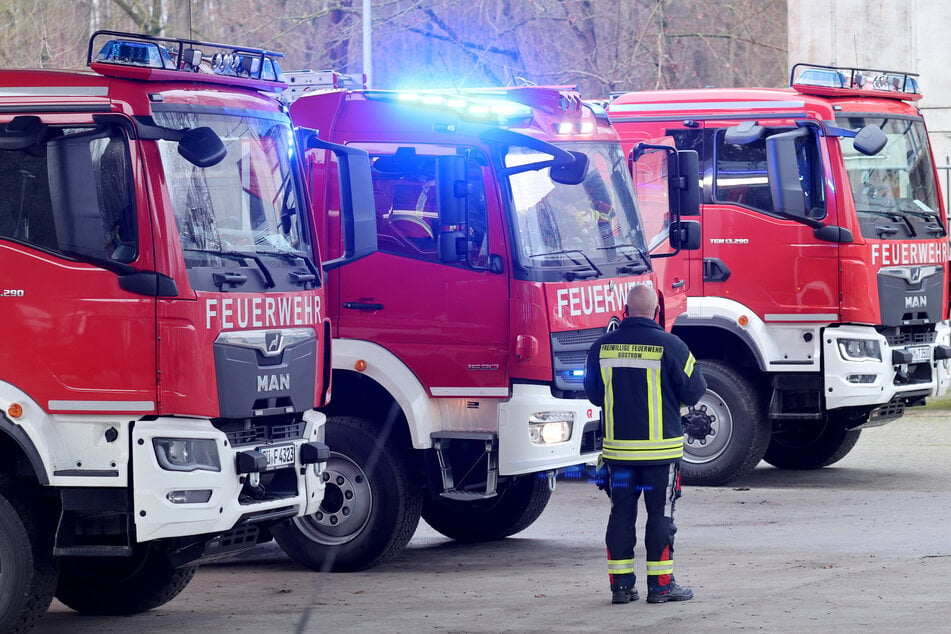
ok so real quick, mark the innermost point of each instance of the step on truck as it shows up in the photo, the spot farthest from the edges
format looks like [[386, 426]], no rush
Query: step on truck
[[165, 339], [818, 303], [508, 237]]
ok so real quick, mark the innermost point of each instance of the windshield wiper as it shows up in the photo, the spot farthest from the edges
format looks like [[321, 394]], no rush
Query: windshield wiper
[[292, 257], [240, 255], [568, 252], [643, 257]]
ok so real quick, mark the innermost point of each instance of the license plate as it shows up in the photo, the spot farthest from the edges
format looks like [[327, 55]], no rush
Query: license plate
[[920, 354], [278, 456]]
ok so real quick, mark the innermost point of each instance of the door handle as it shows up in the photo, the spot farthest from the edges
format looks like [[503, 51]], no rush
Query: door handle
[[362, 306], [678, 283]]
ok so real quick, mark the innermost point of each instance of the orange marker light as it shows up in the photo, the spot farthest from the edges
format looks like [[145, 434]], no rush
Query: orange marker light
[[360, 365], [743, 320], [15, 410]]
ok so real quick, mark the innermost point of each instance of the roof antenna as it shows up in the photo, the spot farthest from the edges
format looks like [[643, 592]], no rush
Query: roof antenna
[[448, 72], [190, 35]]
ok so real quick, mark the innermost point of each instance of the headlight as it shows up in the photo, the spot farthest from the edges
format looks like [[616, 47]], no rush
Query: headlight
[[187, 454], [860, 350], [546, 428]]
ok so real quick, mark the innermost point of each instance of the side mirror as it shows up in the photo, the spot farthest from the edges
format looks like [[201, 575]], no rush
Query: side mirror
[[75, 199], [201, 147], [22, 132], [357, 208], [870, 140], [683, 184], [685, 235], [570, 172], [782, 169], [451, 192], [744, 133]]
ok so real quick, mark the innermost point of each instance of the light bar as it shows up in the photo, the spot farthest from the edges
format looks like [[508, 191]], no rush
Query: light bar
[[811, 78], [145, 52], [477, 108]]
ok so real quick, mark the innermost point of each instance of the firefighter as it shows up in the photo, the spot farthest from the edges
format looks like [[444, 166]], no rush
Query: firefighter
[[640, 375]]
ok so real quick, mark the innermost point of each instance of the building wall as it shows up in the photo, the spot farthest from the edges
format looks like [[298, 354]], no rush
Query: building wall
[[902, 35]]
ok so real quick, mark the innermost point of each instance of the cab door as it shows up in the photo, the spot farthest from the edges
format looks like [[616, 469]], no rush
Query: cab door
[[768, 263], [447, 321], [74, 231]]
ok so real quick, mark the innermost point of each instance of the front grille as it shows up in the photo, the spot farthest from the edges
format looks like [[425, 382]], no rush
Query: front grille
[[247, 433], [909, 335], [569, 351]]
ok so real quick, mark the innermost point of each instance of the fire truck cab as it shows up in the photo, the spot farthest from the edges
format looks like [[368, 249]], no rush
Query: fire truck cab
[[165, 339], [508, 236], [818, 303]]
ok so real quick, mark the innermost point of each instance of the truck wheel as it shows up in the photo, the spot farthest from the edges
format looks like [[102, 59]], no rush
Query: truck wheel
[[371, 505], [117, 586], [811, 448], [726, 433], [27, 568], [514, 509]]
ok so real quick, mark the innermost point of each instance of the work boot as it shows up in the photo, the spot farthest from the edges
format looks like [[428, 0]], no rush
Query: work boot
[[670, 592], [624, 594]]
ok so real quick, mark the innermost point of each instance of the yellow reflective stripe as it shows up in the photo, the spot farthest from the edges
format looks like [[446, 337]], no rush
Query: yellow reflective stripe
[[655, 409], [620, 566], [607, 379], [688, 367], [666, 443], [634, 456], [660, 567]]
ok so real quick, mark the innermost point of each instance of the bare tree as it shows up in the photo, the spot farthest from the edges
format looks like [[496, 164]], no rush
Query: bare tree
[[599, 45]]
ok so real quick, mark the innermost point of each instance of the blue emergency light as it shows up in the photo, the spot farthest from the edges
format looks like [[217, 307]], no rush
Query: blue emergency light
[[184, 56]]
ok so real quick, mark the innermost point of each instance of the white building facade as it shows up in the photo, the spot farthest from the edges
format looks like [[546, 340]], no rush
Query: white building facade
[[901, 35]]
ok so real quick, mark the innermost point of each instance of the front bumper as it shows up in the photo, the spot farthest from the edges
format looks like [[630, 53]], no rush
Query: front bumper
[[157, 516], [876, 382], [519, 455]]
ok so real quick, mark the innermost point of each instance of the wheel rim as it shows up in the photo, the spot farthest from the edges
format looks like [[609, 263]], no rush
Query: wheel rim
[[345, 510], [711, 424]]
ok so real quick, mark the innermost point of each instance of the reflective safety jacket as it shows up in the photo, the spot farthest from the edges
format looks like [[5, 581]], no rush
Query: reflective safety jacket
[[640, 375]]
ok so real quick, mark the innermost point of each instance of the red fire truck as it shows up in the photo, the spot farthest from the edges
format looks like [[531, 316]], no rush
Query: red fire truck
[[165, 336], [818, 302], [508, 237]]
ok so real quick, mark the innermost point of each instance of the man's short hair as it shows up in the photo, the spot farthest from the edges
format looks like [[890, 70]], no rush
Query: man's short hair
[[642, 301]]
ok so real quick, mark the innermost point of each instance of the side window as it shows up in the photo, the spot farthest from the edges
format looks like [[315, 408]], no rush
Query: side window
[[407, 206], [26, 213], [404, 190], [26, 209], [740, 174]]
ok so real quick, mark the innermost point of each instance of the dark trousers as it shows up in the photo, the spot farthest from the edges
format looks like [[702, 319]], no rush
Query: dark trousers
[[660, 485]]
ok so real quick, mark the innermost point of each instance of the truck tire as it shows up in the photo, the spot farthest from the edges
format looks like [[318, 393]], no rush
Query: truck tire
[[28, 570], [811, 448], [119, 586], [371, 505], [726, 433], [514, 509]]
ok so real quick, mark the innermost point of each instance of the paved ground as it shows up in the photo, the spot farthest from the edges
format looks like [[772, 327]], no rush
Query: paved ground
[[858, 547]]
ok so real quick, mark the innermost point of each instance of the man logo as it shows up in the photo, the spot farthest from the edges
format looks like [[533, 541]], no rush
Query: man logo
[[613, 325], [273, 342]]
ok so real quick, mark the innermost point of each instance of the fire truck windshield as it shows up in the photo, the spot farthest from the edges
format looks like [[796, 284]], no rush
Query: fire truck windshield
[[594, 224], [894, 191], [246, 204]]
